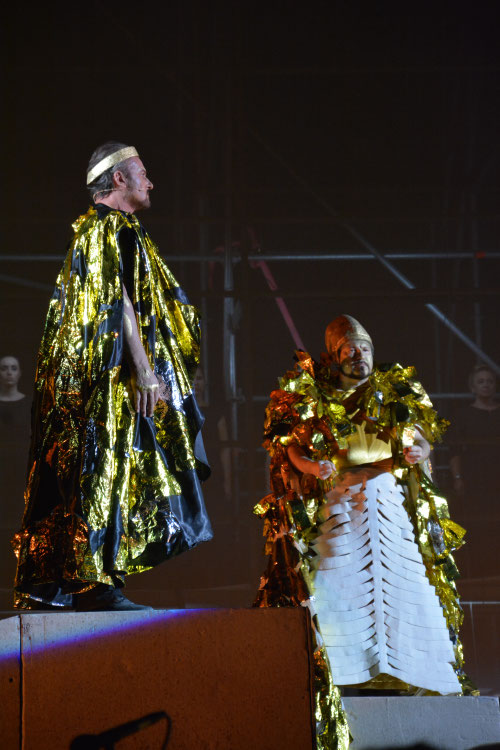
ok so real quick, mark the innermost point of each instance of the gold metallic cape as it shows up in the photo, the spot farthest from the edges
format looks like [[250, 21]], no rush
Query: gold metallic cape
[[309, 411], [109, 492]]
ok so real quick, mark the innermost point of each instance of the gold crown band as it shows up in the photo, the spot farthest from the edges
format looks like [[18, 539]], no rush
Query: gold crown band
[[110, 161]]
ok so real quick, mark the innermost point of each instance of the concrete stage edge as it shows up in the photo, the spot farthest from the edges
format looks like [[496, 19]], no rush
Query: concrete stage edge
[[444, 723], [229, 679]]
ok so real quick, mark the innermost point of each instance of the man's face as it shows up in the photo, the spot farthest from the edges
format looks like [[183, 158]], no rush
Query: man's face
[[484, 384], [10, 372], [136, 191], [356, 359]]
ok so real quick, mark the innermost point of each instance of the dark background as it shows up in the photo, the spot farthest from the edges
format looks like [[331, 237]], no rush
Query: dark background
[[265, 127], [385, 112]]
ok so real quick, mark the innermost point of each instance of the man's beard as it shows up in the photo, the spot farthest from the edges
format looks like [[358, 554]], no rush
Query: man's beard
[[144, 202], [356, 375], [139, 197]]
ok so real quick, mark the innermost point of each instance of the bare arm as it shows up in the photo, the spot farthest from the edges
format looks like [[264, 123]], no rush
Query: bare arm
[[320, 469], [144, 382]]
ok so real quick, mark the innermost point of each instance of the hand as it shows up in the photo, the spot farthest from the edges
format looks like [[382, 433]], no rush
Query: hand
[[414, 454], [323, 469], [146, 391]]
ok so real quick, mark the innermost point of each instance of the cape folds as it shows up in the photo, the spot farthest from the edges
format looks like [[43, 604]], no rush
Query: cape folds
[[110, 492]]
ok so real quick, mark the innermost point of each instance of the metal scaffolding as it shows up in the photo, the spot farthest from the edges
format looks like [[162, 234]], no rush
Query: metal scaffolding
[[208, 107]]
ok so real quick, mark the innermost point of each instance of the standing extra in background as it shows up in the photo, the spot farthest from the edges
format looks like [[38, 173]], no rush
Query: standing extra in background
[[475, 451]]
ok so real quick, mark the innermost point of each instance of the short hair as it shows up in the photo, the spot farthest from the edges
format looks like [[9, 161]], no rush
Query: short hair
[[103, 185], [476, 370]]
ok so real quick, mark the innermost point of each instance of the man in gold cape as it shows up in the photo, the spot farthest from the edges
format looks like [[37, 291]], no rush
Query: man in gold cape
[[116, 453], [355, 528]]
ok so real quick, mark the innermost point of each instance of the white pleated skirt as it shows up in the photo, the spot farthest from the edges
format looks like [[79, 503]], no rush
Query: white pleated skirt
[[377, 610]]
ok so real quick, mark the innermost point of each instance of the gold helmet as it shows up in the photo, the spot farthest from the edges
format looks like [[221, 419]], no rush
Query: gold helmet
[[340, 330]]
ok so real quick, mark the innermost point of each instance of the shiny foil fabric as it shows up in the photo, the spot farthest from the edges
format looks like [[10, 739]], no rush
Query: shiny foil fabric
[[110, 492], [310, 411]]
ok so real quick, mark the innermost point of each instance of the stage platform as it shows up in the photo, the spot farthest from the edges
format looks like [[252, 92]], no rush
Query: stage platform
[[235, 679], [441, 723]]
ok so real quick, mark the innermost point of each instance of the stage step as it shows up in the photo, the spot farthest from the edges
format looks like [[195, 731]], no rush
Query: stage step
[[447, 723], [228, 679]]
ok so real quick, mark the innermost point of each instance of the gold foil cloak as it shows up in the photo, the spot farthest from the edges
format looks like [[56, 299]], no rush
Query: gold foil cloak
[[110, 493], [310, 411]]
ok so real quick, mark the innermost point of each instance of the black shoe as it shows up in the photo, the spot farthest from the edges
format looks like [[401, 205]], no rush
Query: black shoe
[[106, 599]]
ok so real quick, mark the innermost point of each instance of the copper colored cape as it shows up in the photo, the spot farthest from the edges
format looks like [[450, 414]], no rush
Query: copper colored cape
[[309, 411], [108, 492]]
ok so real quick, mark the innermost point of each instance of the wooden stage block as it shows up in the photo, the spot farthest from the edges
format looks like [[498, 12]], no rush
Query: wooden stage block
[[10, 682], [226, 678]]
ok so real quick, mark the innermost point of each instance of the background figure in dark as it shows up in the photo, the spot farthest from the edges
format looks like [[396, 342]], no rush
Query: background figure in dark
[[14, 439], [14, 406], [475, 452], [10, 373]]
